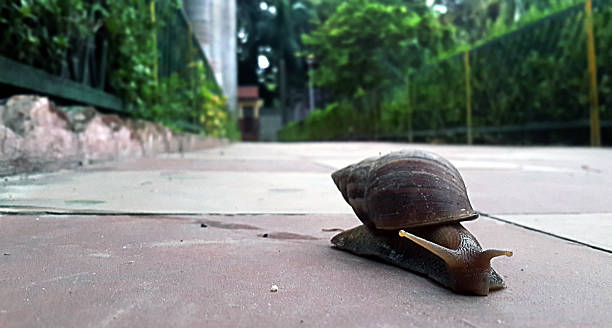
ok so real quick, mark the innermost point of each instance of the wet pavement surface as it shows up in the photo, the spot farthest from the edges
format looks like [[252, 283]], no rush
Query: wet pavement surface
[[200, 239]]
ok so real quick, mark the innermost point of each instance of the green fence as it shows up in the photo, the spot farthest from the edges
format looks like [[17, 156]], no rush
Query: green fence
[[533, 79], [530, 86], [81, 70], [55, 49]]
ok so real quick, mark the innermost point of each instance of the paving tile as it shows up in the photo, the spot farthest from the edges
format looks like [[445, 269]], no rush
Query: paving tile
[[220, 163], [284, 178], [181, 191], [517, 192], [592, 229], [74, 271], [168, 270]]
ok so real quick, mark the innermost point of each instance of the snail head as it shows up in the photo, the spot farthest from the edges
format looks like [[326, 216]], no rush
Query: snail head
[[470, 271]]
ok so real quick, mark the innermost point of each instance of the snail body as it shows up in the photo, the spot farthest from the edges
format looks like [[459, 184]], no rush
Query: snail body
[[420, 196]]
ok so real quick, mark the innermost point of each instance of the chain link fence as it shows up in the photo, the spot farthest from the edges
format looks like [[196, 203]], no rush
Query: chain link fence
[[547, 82], [533, 85]]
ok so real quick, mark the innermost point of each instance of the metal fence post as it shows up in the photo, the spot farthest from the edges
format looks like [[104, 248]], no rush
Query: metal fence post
[[468, 98], [592, 62], [155, 69]]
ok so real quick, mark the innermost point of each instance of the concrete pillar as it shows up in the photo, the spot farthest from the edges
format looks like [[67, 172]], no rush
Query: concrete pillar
[[214, 25]]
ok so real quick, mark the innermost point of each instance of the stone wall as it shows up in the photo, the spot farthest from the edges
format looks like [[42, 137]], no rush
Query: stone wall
[[36, 135]]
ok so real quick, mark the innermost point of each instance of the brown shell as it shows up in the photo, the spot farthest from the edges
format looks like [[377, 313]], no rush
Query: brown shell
[[405, 189]]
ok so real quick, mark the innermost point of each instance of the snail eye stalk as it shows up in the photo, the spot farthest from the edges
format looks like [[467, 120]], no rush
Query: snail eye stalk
[[491, 253], [447, 255]]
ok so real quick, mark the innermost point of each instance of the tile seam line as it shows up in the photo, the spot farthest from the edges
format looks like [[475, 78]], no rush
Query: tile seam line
[[29, 210], [547, 213], [546, 233], [20, 211], [62, 212]]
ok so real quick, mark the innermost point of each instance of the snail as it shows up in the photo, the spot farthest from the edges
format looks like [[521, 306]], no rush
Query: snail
[[419, 196]]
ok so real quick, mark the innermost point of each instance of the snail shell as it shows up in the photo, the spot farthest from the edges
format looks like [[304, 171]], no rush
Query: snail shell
[[423, 194], [405, 189]]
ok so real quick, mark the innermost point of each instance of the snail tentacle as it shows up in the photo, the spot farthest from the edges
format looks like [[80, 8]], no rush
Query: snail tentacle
[[449, 256], [491, 253]]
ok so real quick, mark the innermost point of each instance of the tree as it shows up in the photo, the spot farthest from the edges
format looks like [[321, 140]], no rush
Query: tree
[[367, 45], [272, 29], [324, 8]]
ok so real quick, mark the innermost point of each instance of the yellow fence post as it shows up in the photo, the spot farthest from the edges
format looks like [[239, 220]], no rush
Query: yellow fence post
[[468, 98], [155, 69], [593, 96]]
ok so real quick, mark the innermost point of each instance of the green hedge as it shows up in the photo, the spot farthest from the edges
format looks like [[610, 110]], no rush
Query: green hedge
[[51, 34]]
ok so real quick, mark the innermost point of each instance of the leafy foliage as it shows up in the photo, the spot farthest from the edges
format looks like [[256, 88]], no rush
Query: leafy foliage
[[48, 33], [366, 45], [133, 49], [536, 76], [41, 33], [192, 101], [481, 20]]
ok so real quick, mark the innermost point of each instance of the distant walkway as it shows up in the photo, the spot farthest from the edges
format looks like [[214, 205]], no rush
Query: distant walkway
[[178, 240]]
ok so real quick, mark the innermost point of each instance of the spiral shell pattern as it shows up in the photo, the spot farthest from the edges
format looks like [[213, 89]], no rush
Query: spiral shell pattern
[[405, 189]]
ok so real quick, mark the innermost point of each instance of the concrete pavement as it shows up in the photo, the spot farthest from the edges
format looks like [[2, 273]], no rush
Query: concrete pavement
[[178, 240]]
